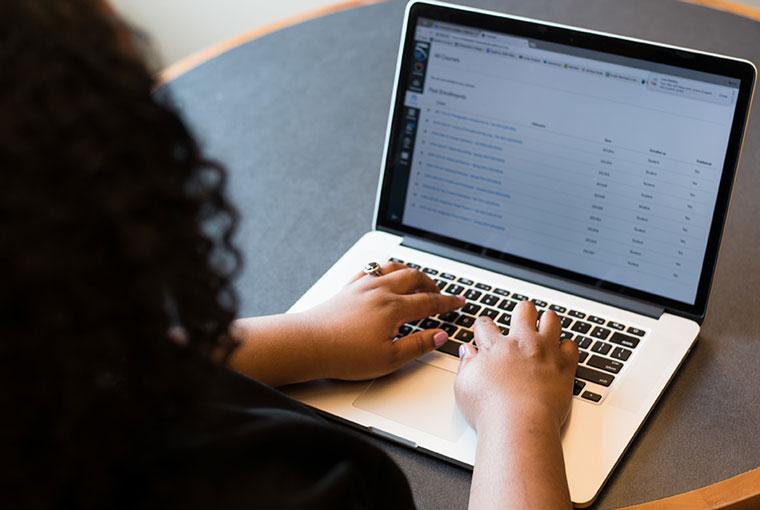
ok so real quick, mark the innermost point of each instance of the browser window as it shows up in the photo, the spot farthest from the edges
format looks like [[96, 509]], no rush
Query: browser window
[[594, 163]]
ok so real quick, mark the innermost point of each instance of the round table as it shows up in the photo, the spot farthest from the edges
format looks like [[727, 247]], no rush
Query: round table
[[298, 117]]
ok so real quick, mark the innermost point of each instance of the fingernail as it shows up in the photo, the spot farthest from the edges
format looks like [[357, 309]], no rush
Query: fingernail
[[462, 351], [440, 338], [461, 299]]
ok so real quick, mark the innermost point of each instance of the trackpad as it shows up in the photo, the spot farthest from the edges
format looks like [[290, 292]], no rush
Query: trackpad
[[419, 396]]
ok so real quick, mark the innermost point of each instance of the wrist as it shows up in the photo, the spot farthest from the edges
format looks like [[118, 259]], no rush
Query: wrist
[[277, 349], [512, 418], [317, 338]]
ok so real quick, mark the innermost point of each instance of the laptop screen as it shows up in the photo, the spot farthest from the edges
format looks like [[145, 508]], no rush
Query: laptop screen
[[593, 163]]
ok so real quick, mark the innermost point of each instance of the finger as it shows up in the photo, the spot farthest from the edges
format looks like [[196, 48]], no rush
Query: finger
[[390, 267], [407, 280], [424, 304], [413, 346], [524, 318], [466, 353], [486, 332], [569, 353], [549, 327], [386, 268]]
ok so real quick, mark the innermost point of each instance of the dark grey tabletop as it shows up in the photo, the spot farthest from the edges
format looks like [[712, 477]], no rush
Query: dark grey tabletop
[[298, 117]]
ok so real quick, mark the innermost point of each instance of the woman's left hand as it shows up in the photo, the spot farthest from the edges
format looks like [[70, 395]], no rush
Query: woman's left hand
[[351, 336], [355, 329]]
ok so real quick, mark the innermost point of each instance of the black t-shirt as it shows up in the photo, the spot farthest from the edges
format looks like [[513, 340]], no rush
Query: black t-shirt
[[259, 449]]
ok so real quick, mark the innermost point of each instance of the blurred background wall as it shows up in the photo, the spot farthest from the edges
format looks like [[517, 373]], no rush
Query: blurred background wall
[[178, 28]]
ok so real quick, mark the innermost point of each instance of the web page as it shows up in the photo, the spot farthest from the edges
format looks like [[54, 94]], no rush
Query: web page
[[603, 169]]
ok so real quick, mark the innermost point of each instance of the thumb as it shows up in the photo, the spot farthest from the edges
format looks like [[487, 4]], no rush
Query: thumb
[[413, 346]]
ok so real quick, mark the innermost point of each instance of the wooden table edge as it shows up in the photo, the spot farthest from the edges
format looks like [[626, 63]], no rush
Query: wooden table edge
[[728, 6], [740, 492], [190, 62]]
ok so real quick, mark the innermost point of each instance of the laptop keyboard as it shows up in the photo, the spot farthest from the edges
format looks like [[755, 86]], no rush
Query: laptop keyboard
[[605, 346]]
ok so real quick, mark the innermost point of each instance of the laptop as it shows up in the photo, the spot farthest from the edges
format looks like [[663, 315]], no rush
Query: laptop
[[587, 172]]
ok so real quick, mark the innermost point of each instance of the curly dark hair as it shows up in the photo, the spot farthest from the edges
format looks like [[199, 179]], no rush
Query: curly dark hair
[[115, 233]]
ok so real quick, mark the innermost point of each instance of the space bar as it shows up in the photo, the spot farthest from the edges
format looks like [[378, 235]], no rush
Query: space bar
[[594, 376]]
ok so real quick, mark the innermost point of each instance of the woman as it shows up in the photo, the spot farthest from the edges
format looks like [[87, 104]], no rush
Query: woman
[[119, 317]]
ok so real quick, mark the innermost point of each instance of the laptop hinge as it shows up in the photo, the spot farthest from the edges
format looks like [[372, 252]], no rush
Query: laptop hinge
[[537, 277]]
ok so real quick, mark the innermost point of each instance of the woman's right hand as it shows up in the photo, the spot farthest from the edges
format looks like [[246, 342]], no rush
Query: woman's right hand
[[524, 376], [515, 390]]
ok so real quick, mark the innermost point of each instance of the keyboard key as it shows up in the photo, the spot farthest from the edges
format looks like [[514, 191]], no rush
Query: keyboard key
[[590, 395], [578, 386], [565, 321], [539, 303], [490, 312], [558, 309], [450, 348], [449, 328], [581, 327], [582, 341], [504, 330], [625, 340], [507, 304], [594, 376], [636, 331], [483, 286], [394, 259], [601, 347], [600, 332], [519, 297], [565, 335], [605, 364], [448, 316], [414, 323], [576, 314], [615, 325], [621, 354], [465, 335], [465, 281], [412, 265], [465, 321], [430, 323], [472, 294], [471, 308], [504, 319], [428, 270], [490, 300], [501, 292], [582, 355], [595, 319], [454, 289], [447, 276], [441, 284], [404, 330]]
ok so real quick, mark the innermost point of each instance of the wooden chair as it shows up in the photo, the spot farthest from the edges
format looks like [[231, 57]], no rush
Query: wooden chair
[[741, 492]]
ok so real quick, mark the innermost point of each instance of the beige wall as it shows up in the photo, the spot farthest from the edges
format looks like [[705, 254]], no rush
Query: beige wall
[[178, 28]]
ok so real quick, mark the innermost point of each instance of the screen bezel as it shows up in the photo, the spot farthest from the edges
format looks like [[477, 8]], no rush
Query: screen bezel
[[689, 59]]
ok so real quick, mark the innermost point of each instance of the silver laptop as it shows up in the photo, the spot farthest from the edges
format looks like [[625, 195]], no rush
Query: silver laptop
[[586, 172]]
